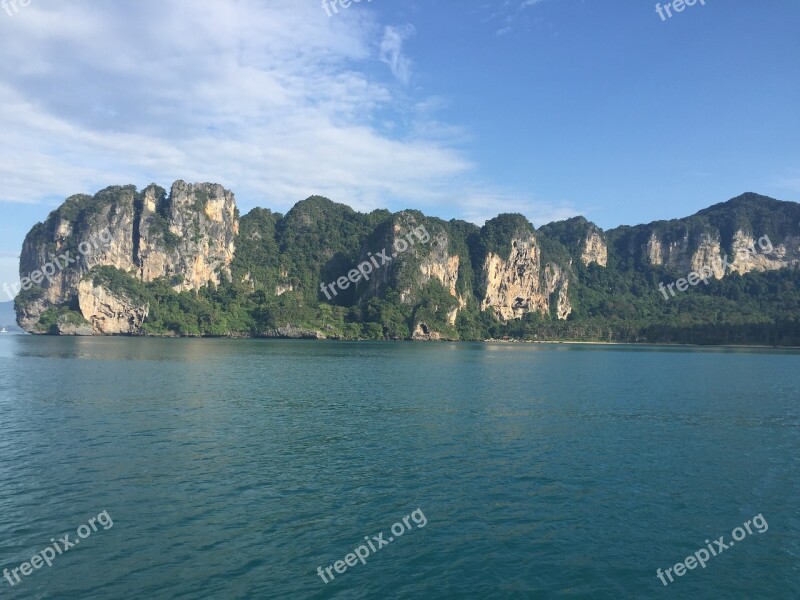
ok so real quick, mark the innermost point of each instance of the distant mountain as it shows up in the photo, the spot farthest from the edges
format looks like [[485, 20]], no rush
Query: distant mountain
[[185, 263], [8, 318]]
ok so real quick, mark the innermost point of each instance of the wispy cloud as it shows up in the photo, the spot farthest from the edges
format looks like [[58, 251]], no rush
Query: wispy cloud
[[483, 204], [392, 51], [273, 100], [511, 12]]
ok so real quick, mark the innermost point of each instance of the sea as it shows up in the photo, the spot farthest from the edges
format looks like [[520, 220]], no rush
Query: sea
[[236, 469]]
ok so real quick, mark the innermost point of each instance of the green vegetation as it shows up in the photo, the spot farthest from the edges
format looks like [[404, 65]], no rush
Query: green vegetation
[[201, 199], [282, 260], [159, 226], [54, 316]]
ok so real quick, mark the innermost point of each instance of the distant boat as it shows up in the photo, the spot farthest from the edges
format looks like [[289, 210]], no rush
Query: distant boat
[[3, 330]]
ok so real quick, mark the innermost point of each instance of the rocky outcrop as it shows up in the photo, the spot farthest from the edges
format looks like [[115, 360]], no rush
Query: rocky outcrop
[[84, 232], [418, 254], [67, 326], [443, 267], [759, 254], [423, 333], [432, 277], [595, 249], [187, 237], [675, 254], [708, 254], [293, 332], [706, 250], [521, 284], [109, 313]]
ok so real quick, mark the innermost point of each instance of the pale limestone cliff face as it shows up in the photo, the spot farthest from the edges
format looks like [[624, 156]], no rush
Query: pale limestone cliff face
[[522, 284], [679, 256], [563, 305], [431, 261], [770, 255], [452, 316], [674, 254], [109, 313], [708, 254], [441, 266], [556, 279], [655, 256], [188, 237], [199, 246], [746, 256], [595, 250], [71, 248]]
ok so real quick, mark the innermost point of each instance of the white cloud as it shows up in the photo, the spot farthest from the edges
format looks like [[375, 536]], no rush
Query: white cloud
[[274, 100], [392, 51], [481, 205]]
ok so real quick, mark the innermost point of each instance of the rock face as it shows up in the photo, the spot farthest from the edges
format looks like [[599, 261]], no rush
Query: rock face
[[187, 237], [110, 313], [761, 254], [418, 254], [522, 284], [708, 254], [595, 249], [747, 255], [82, 233], [422, 333], [432, 278]]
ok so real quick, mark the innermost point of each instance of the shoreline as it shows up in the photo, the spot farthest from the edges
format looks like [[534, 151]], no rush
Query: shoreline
[[360, 340]]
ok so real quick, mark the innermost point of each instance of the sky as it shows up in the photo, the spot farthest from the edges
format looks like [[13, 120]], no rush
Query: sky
[[461, 109]]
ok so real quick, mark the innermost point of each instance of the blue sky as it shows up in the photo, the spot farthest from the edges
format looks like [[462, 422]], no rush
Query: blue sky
[[550, 108]]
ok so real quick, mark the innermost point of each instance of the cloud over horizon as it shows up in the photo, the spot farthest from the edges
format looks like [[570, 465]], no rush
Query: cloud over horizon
[[276, 102]]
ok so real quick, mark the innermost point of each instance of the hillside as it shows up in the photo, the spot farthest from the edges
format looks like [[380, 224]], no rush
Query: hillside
[[185, 263]]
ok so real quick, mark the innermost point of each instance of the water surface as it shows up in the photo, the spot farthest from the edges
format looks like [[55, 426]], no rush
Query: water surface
[[234, 468]]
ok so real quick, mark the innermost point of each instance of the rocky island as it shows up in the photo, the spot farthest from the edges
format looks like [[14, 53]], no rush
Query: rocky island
[[184, 263]]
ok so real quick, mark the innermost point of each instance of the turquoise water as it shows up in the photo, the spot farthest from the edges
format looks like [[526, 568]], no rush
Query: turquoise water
[[235, 468]]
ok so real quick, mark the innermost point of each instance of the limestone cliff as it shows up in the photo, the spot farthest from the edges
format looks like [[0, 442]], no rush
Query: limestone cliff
[[109, 313], [753, 253], [418, 252], [187, 237], [595, 249], [706, 250], [521, 284], [426, 279]]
